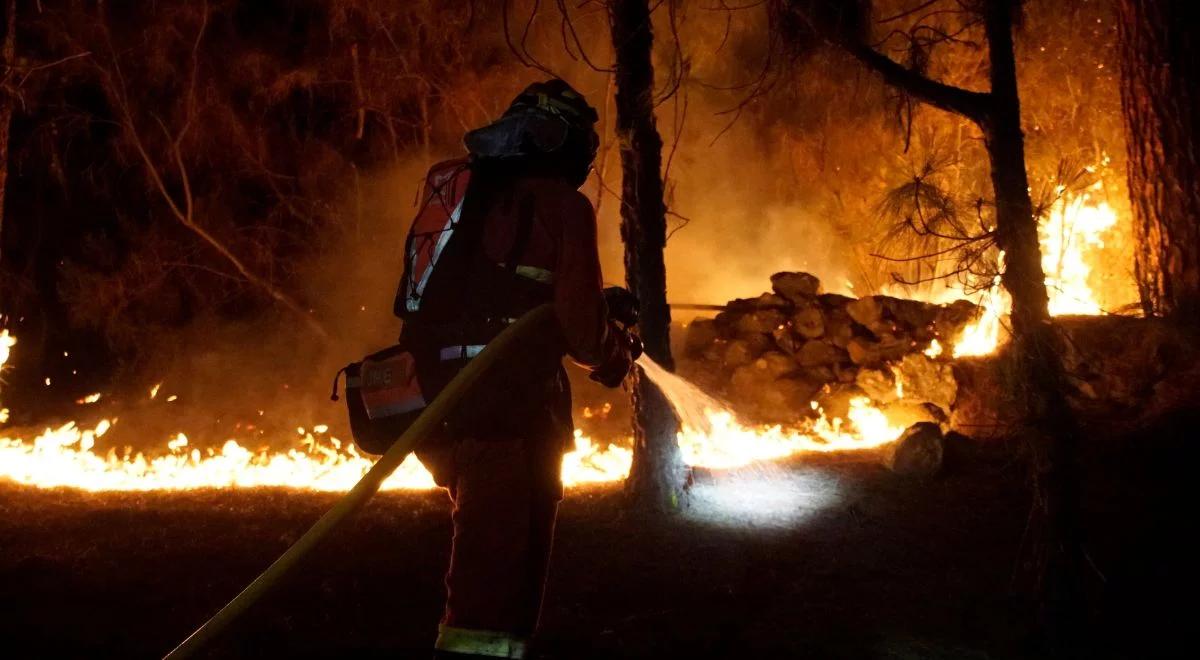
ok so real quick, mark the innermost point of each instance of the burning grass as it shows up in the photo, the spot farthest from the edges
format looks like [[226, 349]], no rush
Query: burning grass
[[70, 454]]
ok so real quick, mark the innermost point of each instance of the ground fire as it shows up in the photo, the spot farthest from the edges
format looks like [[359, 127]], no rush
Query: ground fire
[[67, 455], [791, 328]]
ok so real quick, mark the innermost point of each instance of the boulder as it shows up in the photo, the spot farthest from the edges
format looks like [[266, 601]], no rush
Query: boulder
[[777, 365], [786, 340], [787, 400], [913, 314], [834, 300], [715, 352], [808, 321], [762, 371], [925, 380], [738, 353], [745, 380], [816, 353], [839, 329], [821, 373], [867, 311], [918, 452], [834, 400], [864, 352], [983, 408], [867, 353], [845, 372], [950, 319], [1118, 362], [879, 384], [771, 300], [701, 333], [796, 287], [760, 321]]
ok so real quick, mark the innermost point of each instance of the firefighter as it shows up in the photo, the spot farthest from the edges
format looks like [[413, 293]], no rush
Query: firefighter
[[508, 231]]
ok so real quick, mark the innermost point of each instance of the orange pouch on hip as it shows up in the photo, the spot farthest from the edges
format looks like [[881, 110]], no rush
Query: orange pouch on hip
[[383, 397]]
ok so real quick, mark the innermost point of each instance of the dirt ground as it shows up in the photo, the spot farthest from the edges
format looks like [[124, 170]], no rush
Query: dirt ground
[[820, 558]]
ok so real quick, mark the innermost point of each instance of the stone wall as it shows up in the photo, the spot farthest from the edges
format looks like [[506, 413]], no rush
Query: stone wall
[[772, 356]]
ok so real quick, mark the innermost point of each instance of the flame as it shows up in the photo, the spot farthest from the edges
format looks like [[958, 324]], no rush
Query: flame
[[984, 335], [934, 349], [67, 456], [723, 443], [1070, 236], [1073, 230]]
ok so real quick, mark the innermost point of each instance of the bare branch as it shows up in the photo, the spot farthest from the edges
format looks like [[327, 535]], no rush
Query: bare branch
[[973, 105], [185, 213]]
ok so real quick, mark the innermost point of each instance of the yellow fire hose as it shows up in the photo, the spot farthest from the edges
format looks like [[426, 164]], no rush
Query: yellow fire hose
[[353, 500]]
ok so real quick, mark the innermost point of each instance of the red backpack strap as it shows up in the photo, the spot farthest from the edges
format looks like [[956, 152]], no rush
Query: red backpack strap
[[443, 196]]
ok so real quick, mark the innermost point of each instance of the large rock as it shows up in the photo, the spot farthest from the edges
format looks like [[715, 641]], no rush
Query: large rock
[[777, 365], [845, 372], [950, 319], [821, 373], [834, 400], [918, 453], [867, 311], [787, 401], [765, 370], [817, 353], [739, 352], [808, 321], [913, 314], [714, 353], [925, 380], [867, 353], [983, 407], [796, 287], [701, 333], [834, 300], [879, 384], [761, 321], [786, 340], [839, 329]]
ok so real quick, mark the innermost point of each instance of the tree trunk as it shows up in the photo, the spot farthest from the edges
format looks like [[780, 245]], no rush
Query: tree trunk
[[657, 477], [1055, 548], [1159, 67], [8, 52]]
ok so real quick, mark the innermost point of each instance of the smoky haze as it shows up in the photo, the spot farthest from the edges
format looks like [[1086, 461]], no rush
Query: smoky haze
[[789, 179]]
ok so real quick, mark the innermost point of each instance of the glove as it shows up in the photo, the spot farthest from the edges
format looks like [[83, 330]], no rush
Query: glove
[[622, 305], [635, 345], [614, 370]]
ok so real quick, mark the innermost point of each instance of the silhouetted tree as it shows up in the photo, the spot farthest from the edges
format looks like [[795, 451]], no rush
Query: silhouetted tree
[[1038, 379], [657, 477], [8, 51], [1160, 62]]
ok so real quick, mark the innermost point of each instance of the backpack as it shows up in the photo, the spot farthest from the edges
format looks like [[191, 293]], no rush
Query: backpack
[[453, 300]]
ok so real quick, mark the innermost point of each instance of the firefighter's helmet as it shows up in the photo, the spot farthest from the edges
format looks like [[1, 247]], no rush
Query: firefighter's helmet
[[547, 118]]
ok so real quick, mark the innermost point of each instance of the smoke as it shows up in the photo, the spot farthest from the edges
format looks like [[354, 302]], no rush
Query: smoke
[[788, 183], [738, 214]]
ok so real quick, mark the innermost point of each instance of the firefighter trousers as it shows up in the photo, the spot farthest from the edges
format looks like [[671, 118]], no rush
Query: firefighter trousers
[[505, 493]]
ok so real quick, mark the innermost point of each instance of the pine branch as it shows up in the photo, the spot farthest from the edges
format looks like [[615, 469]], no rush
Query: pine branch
[[973, 105]]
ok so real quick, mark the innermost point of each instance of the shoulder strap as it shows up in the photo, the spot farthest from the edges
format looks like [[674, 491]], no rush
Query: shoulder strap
[[521, 238]]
